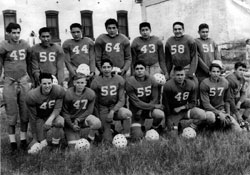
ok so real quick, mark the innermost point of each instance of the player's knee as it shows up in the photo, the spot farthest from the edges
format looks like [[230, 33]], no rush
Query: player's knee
[[59, 122], [124, 113], [158, 114], [210, 117], [93, 122], [197, 113]]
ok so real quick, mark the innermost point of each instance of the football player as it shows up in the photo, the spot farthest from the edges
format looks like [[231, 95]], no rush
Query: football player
[[109, 89], [143, 96], [207, 52], [213, 92], [47, 57], [15, 60], [78, 50], [148, 49], [78, 106], [45, 104], [114, 46]]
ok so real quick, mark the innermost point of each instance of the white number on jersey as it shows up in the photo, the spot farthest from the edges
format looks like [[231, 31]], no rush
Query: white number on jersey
[[208, 47], [150, 50], [109, 47], [76, 49], [212, 91], [108, 90], [44, 57], [78, 103], [177, 48], [18, 53], [181, 96], [49, 104], [143, 91]]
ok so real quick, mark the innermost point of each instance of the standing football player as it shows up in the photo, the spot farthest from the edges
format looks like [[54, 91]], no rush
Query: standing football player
[[207, 52], [45, 104], [213, 92], [78, 50], [109, 89], [143, 96], [148, 49], [113, 46], [15, 60], [47, 57], [78, 107]]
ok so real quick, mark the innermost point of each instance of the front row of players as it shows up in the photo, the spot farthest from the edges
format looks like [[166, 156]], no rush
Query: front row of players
[[97, 108]]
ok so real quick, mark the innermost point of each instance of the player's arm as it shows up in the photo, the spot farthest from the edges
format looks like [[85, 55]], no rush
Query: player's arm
[[161, 58], [166, 99], [98, 52], [230, 105], [155, 93], [192, 99], [66, 109], [127, 56], [94, 87], [121, 97], [204, 94], [217, 55], [134, 55], [68, 64], [201, 63], [168, 58], [92, 57], [35, 65], [194, 58], [60, 66], [2, 56]]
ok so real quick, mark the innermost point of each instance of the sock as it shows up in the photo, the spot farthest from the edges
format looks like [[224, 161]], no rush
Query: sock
[[22, 135], [55, 141], [12, 138]]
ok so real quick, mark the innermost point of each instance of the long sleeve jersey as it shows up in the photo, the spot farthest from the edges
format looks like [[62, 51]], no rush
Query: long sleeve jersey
[[15, 59], [48, 59], [109, 92], [213, 94], [79, 52], [150, 51], [116, 49], [181, 52], [176, 95], [142, 94], [207, 52], [78, 106]]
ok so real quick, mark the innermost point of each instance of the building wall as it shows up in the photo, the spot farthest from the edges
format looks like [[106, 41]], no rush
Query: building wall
[[31, 14]]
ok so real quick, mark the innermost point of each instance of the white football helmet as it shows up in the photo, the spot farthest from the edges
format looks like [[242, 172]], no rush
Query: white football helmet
[[83, 69], [54, 81], [82, 145], [152, 135], [116, 70], [120, 141], [160, 78], [189, 133], [35, 148], [218, 62]]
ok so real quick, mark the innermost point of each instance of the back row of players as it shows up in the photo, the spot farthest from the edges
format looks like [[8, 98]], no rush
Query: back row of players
[[190, 64]]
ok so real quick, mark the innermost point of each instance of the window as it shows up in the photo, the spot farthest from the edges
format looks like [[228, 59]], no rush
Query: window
[[87, 23], [52, 23], [8, 17], [122, 18]]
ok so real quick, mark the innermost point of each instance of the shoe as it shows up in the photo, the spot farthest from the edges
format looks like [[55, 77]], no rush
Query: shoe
[[23, 145]]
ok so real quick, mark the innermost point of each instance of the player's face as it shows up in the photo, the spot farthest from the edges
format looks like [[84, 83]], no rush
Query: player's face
[[140, 71], [46, 84], [204, 33], [45, 38], [215, 73], [112, 30], [240, 72], [179, 76], [145, 32], [106, 69], [15, 35], [76, 33], [80, 84], [178, 30]]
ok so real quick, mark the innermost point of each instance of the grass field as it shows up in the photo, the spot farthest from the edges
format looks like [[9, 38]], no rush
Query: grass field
[[216, 153]]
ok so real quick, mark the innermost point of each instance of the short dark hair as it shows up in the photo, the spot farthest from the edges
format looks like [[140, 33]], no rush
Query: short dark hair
[[179, 23], [75, 25], [145, 24], [106, 61], [111, 21], [139, 63], [44, 75], [43, 30], [178, 68], [239, 64], [214, 65], [203, 26], [12, 26]]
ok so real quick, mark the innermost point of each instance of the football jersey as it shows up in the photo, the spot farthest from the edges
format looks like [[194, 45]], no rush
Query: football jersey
[[213, 94], [142, 94], [175, 95], [109, 92], [116, 49], [207, 52], [80, 52], [78, 106], [150, 51], [181, 52], [48, 60], [13, 57]]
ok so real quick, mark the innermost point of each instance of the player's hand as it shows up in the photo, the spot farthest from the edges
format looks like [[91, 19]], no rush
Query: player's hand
[[238, 117], [76, 128], [238, 105], [225, 118], [179, 109], [48, 124], [110, 116], [167, 76], [159, 106]]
